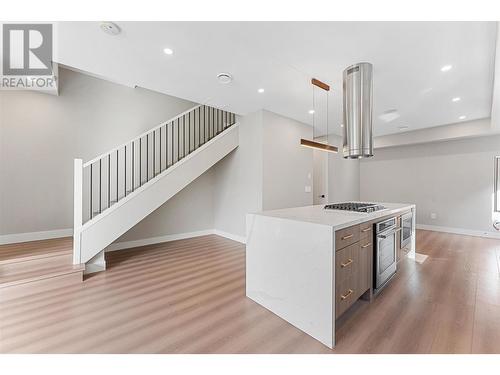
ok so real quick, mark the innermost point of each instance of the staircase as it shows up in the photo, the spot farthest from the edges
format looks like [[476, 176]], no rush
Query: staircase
[[116, 190], [34, 267]]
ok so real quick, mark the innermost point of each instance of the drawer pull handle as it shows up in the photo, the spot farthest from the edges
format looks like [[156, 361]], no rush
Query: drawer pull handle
[[347, 237], [365, 246], [366, 230], [344, 296], [349, 261]]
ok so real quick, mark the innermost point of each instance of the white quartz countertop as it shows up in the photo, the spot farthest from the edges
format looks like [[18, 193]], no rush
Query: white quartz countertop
[[336, 218]]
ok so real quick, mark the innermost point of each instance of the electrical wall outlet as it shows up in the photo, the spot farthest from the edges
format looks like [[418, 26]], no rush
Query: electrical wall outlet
[[434, 215], [307, 189]]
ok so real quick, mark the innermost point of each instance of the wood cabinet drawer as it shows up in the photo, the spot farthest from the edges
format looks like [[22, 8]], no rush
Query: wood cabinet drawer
[[347, 236], [346, 277], [345, 295], [346, 262], [366, 230], [365, 265]]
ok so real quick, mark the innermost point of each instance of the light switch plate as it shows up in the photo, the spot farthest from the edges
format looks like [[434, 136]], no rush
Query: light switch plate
[[307, 189]]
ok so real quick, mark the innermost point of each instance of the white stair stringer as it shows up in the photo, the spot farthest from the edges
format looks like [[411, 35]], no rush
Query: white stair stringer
[[99, 232]]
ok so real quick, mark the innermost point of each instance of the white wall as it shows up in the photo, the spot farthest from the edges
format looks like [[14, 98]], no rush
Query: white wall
[[238, 178], [41, 134], [343, 175], [191, 210], [268, 170], [453, 179], [288, 167]]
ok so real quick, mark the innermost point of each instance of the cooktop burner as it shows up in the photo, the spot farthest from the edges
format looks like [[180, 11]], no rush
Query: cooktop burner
[[355, 206]]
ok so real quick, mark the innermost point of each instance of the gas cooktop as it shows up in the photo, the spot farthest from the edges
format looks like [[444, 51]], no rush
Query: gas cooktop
[[355, 206]]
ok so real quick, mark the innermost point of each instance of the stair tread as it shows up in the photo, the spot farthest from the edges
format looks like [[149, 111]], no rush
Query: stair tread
[[39, 274], [18, 252]]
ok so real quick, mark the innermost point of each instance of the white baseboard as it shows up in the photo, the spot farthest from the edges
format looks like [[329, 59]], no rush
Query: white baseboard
[[466, 232], [34, 236], [173, 237], [155, 240], [45, 235], [231, 236]]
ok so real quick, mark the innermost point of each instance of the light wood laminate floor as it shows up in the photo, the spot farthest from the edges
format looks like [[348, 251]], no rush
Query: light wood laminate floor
[[188, 296]]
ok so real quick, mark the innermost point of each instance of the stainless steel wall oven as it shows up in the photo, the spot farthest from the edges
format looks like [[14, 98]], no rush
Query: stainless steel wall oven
[[406, 228], [385, 252]]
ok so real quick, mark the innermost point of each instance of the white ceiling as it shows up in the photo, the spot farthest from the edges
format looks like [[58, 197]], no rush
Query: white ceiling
[[282, 57]]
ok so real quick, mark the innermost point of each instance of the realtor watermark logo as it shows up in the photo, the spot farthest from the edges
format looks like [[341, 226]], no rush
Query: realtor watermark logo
[[27, 52]]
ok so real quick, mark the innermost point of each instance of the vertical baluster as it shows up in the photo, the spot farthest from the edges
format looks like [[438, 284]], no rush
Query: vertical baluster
[[133, 165], [154, 153], [178, 137], [140, 162], [100, 186], [109, 180], [183, 136], [212, 122], [117, 175], [125, 172], [160, 148], [147, 157], [204, 125], [91, 201], [189, 133], [166, 146], [199, 122]]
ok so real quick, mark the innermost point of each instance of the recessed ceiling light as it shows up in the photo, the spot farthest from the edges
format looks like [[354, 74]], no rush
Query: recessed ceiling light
[[404, 127], [457, 99], [462, 117], [311, 111], [224, 78], [445, 68], [110, 28], [260, 91], [168, 51]]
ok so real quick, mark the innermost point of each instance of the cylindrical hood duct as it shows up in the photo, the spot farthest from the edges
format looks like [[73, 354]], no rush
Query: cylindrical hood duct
[[358, 87]]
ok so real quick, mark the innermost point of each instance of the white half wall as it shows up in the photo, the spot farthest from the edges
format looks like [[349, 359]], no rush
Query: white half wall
[[41, 134], [453, 179]]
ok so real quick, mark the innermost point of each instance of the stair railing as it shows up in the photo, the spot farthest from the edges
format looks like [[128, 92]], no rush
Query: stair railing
[[105, 180]]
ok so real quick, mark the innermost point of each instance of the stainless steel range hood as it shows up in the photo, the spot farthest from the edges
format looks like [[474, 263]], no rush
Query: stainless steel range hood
[[358, 88]]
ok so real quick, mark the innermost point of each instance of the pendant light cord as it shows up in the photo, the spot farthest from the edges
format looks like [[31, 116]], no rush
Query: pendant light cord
[[327, 117], [314, 112]]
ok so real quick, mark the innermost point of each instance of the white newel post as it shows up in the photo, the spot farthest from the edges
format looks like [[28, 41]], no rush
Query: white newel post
[[77, 208]]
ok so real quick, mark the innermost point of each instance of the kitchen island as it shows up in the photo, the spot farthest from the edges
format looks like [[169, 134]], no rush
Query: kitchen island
[[300, 260]]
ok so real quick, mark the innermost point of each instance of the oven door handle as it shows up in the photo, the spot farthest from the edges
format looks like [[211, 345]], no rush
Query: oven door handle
[[385, 235]]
